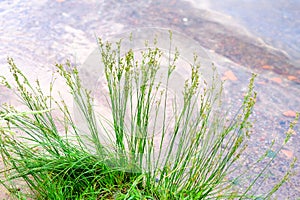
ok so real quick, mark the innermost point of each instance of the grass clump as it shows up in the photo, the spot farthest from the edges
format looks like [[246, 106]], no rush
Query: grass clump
[[151, 145]]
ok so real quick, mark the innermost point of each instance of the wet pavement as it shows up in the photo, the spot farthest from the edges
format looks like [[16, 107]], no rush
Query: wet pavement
[[38, 34]]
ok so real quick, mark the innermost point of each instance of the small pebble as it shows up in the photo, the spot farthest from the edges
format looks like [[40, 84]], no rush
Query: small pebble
[[185, 19]]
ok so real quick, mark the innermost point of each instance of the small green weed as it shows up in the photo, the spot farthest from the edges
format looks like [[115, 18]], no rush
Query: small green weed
[[150, 150]]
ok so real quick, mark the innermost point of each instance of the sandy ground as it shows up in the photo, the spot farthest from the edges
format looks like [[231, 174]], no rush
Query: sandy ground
[[4, 193]]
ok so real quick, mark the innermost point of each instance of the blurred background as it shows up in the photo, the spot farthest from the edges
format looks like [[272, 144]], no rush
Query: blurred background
[[240, 37]]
